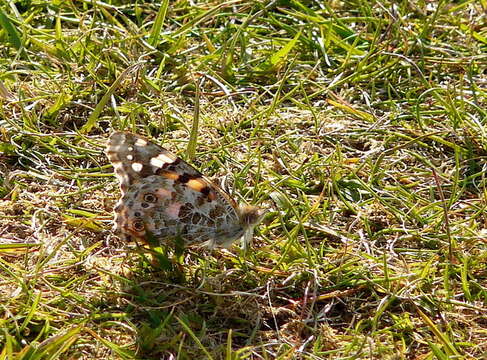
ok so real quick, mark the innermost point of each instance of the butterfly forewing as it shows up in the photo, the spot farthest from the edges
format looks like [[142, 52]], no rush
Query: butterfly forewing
[[134, 157]]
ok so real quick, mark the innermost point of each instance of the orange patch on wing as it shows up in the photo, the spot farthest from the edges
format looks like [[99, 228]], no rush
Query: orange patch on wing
[[169, 175], [196, 184]]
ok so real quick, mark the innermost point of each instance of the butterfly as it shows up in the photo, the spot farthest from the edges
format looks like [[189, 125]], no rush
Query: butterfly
[[165, 198]]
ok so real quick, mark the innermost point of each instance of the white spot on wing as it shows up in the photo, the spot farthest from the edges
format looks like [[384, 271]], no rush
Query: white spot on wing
[[117, 164], [140, 142], [130, 157], [130, 148], [137, 167], [160, 160]]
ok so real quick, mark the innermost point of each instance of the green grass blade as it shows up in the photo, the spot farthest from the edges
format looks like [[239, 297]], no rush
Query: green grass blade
[[13, 35], [281, 55], [195, 338], [443, 338], [229, 353], [193, 136], [155, 34], [32, 311]]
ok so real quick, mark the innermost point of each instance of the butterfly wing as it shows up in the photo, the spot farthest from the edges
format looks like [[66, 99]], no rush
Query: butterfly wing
[[135, 157], [160, 207], [166, 197]]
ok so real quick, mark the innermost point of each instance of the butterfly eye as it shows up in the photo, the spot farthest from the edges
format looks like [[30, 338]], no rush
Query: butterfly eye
[[150, 198], [138, 225]]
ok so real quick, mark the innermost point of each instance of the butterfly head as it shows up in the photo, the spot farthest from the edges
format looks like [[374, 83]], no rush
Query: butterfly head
[[250, 216]]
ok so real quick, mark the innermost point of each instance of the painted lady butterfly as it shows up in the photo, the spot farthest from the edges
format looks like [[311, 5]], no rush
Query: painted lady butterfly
[[164, 197]]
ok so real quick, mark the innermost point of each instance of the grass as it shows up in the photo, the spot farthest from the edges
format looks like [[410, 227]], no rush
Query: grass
[[359, 125]]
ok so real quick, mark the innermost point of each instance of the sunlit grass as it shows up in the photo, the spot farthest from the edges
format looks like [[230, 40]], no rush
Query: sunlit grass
[[359, 125]]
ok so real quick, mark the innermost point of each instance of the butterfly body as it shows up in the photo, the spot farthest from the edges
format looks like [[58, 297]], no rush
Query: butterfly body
[[163, 198]]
